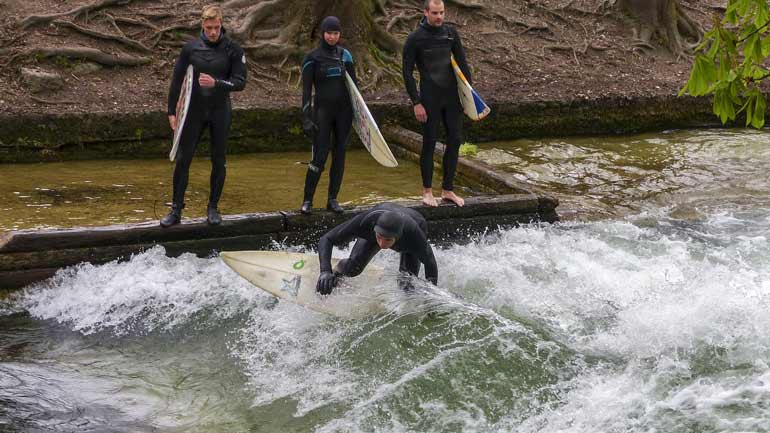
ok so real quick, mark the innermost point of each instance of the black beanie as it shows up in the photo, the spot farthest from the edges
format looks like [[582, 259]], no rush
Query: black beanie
[[331, 24], [390, 225]]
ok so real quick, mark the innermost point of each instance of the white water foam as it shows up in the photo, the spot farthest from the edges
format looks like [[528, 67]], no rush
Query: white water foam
[[149, 292]]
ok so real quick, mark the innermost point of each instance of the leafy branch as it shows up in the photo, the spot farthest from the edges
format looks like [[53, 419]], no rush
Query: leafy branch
[[730, 62]]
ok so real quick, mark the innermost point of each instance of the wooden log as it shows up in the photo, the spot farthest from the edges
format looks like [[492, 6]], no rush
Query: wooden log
[[408, 144], [29, 256], [141, 233]]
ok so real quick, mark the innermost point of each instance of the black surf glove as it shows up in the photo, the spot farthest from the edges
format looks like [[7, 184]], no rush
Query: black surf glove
[[326, 282], [309, 127]]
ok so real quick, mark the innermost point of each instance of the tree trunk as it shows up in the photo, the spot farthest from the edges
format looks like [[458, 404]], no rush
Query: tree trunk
[[664, 20], [295, 30]]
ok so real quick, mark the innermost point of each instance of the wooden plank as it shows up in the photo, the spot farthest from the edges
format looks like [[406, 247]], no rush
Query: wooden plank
[[141, 233], [471, 169]]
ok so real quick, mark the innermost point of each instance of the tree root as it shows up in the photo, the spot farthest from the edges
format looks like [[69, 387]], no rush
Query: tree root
[[254, 16], [403, 16], [52, 102], [117, 38], [42, 19], [466, 5], [91, 54]]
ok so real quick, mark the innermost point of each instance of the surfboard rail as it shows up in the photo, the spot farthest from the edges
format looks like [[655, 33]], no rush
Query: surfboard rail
[[473, 106], [182, 106], [367, 129]]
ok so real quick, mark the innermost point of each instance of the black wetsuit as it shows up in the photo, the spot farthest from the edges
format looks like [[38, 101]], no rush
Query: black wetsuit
[[330, 113], [224, 60], [412, 244], [430, 48]]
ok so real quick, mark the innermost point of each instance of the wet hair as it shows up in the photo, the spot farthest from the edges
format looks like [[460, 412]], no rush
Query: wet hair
[[427, 3], [212, 12]]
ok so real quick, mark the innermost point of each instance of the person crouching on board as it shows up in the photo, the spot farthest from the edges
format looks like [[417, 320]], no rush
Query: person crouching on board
[[327, 121], [385, 226], [219, 65], [430, 47]]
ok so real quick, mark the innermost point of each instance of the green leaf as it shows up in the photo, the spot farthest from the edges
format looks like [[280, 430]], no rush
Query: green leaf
[[758, 119], [749, 105], [752, 50], [766, 46], [715, 45], [731, 13], [762, 14]]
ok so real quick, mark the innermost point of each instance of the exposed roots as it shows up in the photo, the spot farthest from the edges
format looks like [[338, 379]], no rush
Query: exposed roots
[[665, 19], [106, 36], [42, 19], [92, 54]]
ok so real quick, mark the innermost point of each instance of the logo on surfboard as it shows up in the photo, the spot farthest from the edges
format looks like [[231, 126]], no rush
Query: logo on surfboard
[[299, 265]]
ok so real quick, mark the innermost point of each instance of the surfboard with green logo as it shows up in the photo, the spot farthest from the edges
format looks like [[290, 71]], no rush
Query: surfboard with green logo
[[293, 276]]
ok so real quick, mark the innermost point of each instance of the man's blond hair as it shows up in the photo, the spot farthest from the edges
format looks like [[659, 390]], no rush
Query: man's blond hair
[[212, 12]]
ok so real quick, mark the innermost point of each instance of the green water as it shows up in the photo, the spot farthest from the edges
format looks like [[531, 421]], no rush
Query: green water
[[94, 193]]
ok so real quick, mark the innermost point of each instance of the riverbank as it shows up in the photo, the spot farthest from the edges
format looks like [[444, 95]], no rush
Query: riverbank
[[97, 135]]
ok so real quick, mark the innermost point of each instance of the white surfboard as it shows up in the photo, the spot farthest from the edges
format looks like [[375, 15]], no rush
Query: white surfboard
[[367, 129], [182, 105], [293, 276], [473, 106]]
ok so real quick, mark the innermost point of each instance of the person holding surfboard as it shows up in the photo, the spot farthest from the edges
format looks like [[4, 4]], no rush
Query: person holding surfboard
[[328, 119], [431, 47], [385, 226], [219, 66]]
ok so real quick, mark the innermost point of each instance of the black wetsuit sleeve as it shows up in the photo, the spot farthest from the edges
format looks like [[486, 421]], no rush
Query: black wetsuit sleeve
[[341, 234], [237, 79], [410, 54], [350, 67], [429, 261], [308, 74], [180, 68], [459, 53]]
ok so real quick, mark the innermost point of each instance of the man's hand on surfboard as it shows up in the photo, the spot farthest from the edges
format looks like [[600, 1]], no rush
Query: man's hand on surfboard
[[172, 122], [420, 113], [326, 282]]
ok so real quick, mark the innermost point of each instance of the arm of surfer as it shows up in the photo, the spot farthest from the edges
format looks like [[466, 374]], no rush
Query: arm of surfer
[[180, 68], [308, 70], [341, 234], [459, 53], [347, 58], [407, 70], [431, 267], [237, 79]]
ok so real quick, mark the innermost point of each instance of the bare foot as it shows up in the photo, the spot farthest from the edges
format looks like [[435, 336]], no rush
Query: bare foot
[[454, 198], [428, 199]]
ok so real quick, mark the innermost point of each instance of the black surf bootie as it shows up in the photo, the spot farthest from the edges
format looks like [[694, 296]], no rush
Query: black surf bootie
[[174, 217], [212, 216], [334, 206], [307, 207]]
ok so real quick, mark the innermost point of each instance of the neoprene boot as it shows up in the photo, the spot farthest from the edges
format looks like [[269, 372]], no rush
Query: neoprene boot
[[212, 216], [334, 206], [311, 182], [173, 217]]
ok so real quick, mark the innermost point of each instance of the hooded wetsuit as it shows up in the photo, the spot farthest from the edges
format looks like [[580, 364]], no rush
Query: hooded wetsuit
[[430, 48], [412, 242], [330, 116], [225, 61]]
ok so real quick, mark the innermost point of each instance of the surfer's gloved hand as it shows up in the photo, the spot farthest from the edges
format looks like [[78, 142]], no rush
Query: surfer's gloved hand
[[326, 282], [309, 127]]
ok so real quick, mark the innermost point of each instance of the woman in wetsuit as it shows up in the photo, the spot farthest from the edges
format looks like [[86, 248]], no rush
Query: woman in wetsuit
[[329, 118]]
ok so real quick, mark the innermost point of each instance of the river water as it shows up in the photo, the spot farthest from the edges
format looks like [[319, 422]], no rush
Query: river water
[[645, 310]]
